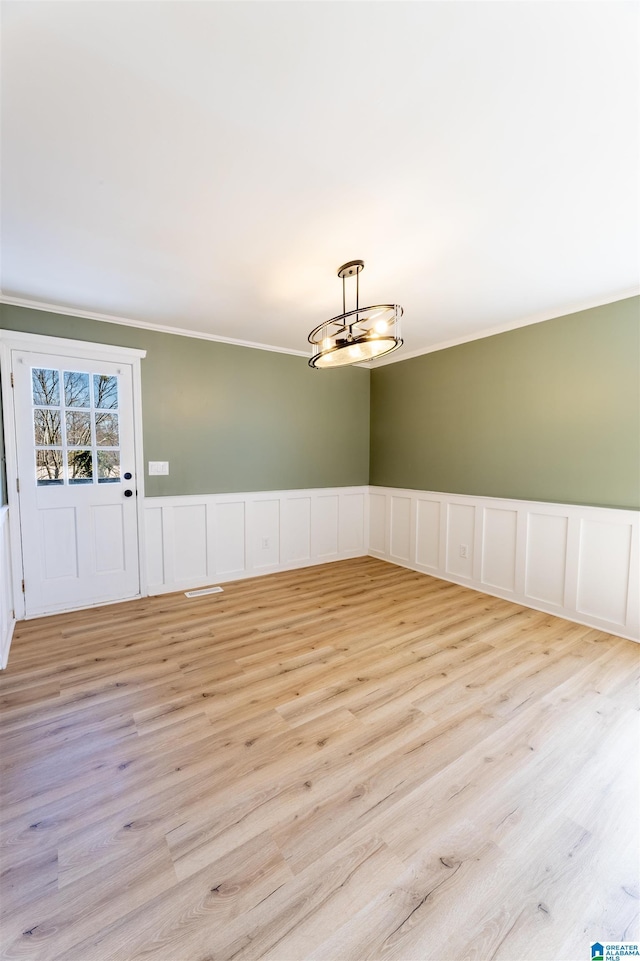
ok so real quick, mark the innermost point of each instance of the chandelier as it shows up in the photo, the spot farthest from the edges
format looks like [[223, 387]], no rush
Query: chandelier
[[356, 335]]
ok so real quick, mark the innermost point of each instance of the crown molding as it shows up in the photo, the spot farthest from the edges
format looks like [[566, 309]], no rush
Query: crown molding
[[144, 325], [539, 318], [393, 359]]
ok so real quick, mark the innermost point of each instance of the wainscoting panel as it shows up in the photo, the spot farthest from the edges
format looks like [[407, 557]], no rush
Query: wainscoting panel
[[603, 574], [428, 533], [461, 522], [400, 528], [325, 526], [377, 522], [7, 615], [154, 545], [226, 542], [581, 563], [263, 533], [296, 530], [194, 541], [189, 542], [499, 537], [353, 535], [546, 557]]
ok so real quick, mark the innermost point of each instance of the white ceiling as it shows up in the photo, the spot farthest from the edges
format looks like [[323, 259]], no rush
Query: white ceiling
[[207, 166]]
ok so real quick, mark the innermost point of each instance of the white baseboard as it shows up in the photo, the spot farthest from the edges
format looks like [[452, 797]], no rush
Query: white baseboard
[[580, 563]]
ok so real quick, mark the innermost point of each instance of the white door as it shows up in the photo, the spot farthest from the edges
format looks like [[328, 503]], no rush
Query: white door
[[76, 481]]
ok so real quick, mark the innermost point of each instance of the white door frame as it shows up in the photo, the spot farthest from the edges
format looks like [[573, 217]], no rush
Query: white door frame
[[11, 340]]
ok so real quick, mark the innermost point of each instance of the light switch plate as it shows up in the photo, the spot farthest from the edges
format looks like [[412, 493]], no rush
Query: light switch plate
[[158, 467]]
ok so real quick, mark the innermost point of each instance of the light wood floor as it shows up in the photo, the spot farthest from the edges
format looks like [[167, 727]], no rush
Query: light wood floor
[[346, 762]]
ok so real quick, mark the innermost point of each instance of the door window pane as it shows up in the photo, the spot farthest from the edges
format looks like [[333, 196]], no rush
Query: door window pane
[[77, 412], [49, 467], [78, 428], [76, 389], [80, 466], [46, 428], [108, 466], [46, 387], [105, 391], [107, 430]]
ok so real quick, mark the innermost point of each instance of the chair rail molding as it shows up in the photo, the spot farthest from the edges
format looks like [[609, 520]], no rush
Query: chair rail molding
[[581, 563]]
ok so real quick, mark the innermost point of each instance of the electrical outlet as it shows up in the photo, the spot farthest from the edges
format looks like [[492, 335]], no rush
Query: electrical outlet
[[464, 550]]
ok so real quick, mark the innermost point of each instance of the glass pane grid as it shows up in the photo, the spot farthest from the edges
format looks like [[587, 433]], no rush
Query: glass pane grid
[[76, 427]]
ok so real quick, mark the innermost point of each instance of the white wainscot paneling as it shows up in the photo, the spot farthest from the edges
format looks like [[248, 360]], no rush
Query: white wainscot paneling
[[603, 576], [582, 563], [154, 545], [264, 527], [400, 540], [499, 548], [7, 615], [296, 529], [325, 509], [377, 522], [546, 557], [460, 536], [190, 542], [230, 538], [195, 541], [428, 514], [351, 538]]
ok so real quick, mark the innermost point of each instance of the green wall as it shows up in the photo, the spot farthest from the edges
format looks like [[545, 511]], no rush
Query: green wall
[[548, 412], [231, 418]]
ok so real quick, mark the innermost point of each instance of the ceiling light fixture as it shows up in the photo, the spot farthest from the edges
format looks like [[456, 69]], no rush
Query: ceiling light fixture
[[355, 336]]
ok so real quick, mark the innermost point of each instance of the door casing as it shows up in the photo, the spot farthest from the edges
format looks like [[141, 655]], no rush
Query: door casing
[[11, 340]]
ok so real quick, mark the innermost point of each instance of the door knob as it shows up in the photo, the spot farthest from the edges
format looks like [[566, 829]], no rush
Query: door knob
[[128, 493]]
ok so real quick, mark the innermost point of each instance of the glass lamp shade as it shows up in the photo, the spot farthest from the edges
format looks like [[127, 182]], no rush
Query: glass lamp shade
[[356, 336]]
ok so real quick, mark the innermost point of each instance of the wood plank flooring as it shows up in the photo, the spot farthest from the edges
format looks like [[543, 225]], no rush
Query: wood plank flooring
[[341, 763]]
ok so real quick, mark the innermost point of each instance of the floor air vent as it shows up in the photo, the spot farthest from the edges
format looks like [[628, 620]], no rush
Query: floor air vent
[[203, 591]]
